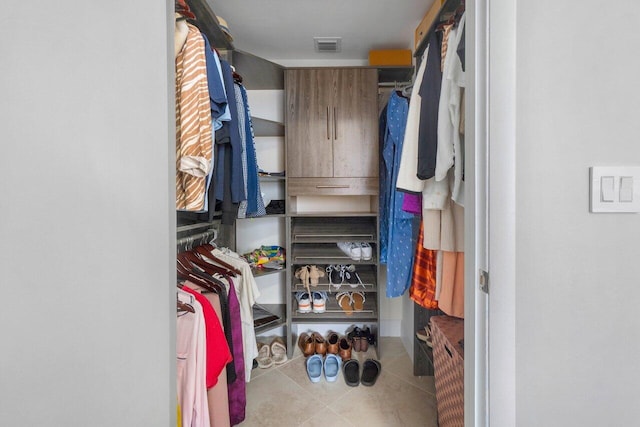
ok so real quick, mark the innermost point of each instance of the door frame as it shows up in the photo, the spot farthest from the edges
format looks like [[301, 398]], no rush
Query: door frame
[[490, 217]]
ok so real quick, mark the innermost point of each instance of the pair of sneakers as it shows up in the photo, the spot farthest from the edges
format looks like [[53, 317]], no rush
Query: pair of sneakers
[[330, 366], [357, 251], [312, 301], [343, 274]]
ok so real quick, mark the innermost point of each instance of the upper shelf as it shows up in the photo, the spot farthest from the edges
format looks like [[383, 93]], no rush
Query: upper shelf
[[208, 23], [391, 74]]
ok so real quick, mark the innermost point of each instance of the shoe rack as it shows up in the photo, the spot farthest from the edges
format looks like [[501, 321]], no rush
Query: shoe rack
[[312, 240]]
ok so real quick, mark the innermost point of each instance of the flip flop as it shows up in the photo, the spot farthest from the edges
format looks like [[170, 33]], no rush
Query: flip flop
[[345, 301], [370, 372], [358, 300], [351, 370], [279, 351]]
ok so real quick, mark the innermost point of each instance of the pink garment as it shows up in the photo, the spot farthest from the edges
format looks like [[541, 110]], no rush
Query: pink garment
[[218, 395], [191, 364], [218, 353], [412, 203]]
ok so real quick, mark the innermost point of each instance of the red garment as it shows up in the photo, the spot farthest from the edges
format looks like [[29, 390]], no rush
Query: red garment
[[218, 353], [423, 281]]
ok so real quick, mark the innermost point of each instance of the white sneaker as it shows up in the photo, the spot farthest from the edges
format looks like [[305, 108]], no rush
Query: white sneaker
[[319, 302], [304, 302], [352, 250], [366, 251]]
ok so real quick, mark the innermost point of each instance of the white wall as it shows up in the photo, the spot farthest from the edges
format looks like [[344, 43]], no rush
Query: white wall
[[578, 274], [87, 226]]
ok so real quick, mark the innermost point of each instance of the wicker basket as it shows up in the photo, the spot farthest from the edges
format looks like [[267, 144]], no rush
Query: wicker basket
[[448, 361]]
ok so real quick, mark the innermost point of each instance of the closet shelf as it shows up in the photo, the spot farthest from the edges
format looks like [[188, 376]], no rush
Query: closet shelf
[[260, 272], [324, 253], [278, 310], [271, 178], [208, 23], [390, 74], [333, 214], [335, 314], [264, 127]]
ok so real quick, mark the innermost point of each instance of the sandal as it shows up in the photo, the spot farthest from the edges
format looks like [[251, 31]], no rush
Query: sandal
[[279, 351], [358, 299], [370, 371], [264, 356], [314, 274], [344, 301]]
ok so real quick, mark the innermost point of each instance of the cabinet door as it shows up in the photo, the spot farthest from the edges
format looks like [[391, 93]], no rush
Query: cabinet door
[[355, 114], [308, 123]]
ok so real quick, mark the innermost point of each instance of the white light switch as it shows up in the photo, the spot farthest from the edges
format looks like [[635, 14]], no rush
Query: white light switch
[[606, 188], [615, 189], [626, 189]]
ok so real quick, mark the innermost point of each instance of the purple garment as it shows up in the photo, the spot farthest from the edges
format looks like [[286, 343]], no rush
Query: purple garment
[[412, 203], [237, 389]]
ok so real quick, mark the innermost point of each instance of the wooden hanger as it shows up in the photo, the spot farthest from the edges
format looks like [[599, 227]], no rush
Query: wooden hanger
[[187, 270], [204, 265], [205, 250], [185, 307]]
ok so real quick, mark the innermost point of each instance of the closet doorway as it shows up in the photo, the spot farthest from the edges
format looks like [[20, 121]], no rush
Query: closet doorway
[[485, 105]]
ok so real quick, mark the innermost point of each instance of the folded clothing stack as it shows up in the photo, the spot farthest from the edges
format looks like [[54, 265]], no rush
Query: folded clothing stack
[[271, 257]]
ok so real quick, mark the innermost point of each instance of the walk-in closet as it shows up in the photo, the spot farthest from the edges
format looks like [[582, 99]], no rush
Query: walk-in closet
[[326, 202]]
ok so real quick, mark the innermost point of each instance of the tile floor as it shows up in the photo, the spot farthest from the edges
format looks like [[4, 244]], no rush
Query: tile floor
[[284, 396]]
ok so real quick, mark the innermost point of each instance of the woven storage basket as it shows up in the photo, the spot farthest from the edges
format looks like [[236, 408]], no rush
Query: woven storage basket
[[448, 361]]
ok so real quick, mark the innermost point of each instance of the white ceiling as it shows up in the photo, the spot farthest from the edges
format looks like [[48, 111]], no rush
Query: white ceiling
[[283, 30]]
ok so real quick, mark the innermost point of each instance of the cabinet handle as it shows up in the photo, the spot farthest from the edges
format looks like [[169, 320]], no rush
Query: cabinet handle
[[328, 130], [333, 186], [335, 125]]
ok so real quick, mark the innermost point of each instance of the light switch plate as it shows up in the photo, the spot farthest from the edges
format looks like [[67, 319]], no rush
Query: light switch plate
[[630, 190]]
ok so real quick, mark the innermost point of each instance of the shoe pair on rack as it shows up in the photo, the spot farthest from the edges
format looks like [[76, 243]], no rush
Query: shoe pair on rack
[[357, 251], [361, 338], [370, 372], [351, 301], [341, 274], [309, 275], [311, 301], [329, 365], [317, 344]]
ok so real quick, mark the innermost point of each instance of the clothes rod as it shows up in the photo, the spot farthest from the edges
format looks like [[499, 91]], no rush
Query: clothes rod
[[190, 242]]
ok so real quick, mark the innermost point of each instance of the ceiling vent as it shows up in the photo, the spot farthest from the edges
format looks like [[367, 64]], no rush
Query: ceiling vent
[[327, 44]]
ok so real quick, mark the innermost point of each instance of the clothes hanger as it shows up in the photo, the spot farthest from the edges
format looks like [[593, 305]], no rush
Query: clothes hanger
[[204, 265], [205, 251], [182, 306], [189, 271]]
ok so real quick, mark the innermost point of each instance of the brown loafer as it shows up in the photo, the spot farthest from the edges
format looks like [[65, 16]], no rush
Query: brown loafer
[[306, 344], [345, 349], [332, 343], [320, 343]]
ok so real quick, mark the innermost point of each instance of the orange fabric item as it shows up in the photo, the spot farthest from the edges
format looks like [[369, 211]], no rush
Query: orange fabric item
[[423, 280], [451, 299]]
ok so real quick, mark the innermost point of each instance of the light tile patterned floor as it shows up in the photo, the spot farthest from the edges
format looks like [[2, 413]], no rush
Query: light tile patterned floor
[[283, 396]]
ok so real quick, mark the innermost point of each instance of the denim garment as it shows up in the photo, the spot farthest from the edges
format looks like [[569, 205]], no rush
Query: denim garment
[[398, 224], [217, 94], [236, 182]]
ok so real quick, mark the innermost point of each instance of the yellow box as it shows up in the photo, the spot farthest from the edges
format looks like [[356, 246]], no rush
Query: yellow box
[[390, 57]]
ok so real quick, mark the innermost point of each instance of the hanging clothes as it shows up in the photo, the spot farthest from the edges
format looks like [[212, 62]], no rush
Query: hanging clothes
[[217, 349], [423, 280], [395, 223], [191, 364], [193, 123], [254, 205]]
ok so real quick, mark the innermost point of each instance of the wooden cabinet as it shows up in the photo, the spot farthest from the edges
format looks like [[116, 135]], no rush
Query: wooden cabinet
[[331, 122]]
